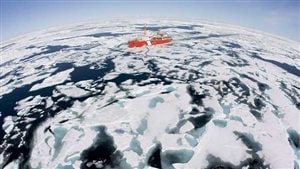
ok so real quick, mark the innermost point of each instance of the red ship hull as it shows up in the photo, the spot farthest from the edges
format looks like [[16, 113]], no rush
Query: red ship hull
[[153, 41]]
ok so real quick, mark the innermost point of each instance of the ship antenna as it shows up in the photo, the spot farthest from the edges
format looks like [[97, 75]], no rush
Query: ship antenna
[[145, 29]]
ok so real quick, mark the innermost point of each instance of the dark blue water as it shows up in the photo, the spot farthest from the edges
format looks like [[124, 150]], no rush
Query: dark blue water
[[154, 159], [261, 86], [95, 35], [249, 141], [157, 28], [210, 36], [7, 46], [289, 68], [200, 121], [294, 138], [254, 162], [103, 150], [104, 34], [8, 103], [136, 77], [231, 44], [46, 50], [291, 93]]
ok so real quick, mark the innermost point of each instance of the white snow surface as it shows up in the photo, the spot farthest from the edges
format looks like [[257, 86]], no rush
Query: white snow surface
[[217, 95]]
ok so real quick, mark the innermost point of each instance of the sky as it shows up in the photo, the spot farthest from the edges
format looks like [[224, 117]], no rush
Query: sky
[[279, 17]]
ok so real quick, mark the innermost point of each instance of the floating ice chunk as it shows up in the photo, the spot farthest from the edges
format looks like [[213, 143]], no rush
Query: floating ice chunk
[[72, 91], [12, 165], [191, 63], [49, 102], [72, 157], [8, 124], [154, 101], [1, 158], [188, 126], [134, 159], [25, 105], [86, 84], [53, 80]]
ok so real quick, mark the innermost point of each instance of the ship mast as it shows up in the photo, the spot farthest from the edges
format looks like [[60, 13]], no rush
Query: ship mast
[[145, 29]]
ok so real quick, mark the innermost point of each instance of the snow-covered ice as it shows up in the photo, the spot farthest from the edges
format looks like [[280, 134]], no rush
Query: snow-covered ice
[[216, 96]]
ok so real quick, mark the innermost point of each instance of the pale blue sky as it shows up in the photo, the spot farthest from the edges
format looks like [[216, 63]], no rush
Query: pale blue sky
[[280, 17]]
